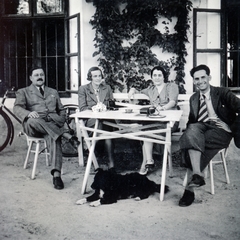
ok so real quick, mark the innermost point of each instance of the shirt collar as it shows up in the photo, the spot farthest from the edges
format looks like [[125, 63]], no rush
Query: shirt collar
[[207, 95], [41, 87]]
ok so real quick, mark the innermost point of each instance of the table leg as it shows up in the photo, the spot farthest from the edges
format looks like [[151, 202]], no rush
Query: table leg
[[168, 139], [80, 147], [164, 169], [164, 165], [170, 161], [89, 161], [85, 135]]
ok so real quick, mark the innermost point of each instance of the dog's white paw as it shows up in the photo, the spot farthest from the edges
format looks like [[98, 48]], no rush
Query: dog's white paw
[[137, 199], [81, 201], [95, 203]]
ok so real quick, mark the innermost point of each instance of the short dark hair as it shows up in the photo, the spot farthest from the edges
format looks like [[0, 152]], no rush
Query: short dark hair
[[159, 68], [34, 68], [89, 74], [200, 67]]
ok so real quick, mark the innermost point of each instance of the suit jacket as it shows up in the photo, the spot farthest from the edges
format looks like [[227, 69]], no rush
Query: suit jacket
[[87, 98], [30, 99], [225, 104]]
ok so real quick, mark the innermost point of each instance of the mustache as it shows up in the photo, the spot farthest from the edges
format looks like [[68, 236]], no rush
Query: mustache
[[40, 79]]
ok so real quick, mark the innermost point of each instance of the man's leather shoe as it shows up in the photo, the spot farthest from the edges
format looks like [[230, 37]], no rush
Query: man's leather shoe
[[197, 181], [187, 199], [58, 183]]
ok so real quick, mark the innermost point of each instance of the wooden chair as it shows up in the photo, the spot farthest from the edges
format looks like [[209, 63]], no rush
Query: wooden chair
[[31, 141], [223, 154]]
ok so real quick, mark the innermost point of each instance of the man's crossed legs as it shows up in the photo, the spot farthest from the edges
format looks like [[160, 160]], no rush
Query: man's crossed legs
[[52, 134], [199, 144]]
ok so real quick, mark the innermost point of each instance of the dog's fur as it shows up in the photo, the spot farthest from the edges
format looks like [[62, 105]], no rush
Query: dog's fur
[[110, 187]]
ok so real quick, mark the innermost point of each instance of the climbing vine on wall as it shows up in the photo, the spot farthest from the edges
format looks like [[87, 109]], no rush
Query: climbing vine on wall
[[126, 31]]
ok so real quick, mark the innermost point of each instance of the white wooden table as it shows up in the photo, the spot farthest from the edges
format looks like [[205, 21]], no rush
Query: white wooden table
[[142, 133]]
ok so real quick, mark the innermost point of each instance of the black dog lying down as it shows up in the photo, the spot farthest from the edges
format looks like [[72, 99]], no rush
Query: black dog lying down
[[110, 187]]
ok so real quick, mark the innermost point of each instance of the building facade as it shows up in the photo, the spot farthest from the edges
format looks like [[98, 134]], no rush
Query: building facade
[[57, 34]]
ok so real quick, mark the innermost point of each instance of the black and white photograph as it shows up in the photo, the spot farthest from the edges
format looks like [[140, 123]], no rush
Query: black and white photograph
[[119, 119]]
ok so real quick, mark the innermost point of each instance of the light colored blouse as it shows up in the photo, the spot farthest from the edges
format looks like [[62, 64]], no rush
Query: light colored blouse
[[169, 92]]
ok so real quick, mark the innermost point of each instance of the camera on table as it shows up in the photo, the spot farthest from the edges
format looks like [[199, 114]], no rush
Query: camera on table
[[148, 110], [112, 105]]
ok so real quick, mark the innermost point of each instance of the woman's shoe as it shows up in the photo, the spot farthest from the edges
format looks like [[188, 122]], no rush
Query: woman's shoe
[[149, 163], [143, 171]]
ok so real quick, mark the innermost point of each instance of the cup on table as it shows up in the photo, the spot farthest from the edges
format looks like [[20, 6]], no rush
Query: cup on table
[[128, 110]]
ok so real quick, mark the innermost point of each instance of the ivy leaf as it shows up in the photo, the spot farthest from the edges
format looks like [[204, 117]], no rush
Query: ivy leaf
[[95, 54], [137, 25]]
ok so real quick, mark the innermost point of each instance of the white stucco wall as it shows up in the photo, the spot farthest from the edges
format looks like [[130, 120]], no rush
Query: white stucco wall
[[87, 45]]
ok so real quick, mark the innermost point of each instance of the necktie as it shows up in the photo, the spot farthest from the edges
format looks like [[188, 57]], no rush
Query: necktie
[[97, 94], [41, 91], [203, 113]]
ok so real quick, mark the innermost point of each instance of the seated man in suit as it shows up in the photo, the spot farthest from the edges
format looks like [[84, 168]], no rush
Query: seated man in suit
[[43, 115], [213, 121]]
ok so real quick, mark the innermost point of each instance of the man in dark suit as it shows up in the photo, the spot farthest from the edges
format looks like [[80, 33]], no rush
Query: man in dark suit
[[213, 121], [43, 115]]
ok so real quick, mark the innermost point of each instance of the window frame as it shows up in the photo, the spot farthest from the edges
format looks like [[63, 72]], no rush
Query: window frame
[[4, 84], [32, 11], [221, 50], [226, 5], [69, 55]]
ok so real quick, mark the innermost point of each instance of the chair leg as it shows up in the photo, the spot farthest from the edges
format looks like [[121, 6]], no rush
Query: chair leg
[[35, 159], [46, 153], [222, 153], [28, 154], [211, 177]]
